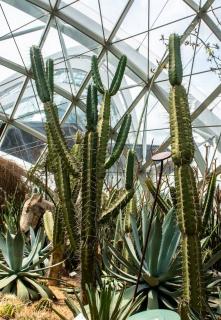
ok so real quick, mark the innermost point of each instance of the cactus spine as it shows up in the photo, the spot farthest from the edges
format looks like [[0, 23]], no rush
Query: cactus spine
[[94, 166], [187, 199]]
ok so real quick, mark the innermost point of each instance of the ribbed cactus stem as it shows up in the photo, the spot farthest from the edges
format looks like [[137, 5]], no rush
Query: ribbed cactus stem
[[120, 142], [182, 148]]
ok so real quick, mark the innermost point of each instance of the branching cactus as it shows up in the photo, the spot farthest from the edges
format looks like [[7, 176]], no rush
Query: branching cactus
[[94, 166], [182, 147], [89, 154], [62, 162]]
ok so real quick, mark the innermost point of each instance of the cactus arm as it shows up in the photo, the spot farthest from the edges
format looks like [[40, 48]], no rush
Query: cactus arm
[[175, 63], [120, 202], [120, 142], [116, 82], [39, 74], [44, 85], [130, 170], [50, 76], [114, 209], [96, 75], [64, 191], [160, 201], [94, 103], [103, 137]]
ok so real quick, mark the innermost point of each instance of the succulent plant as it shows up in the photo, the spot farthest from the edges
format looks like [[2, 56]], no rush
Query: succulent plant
[[90, 156], [18, 274], [44, 304], [7, 311], [103, 304], [161, 279], [188, 208]]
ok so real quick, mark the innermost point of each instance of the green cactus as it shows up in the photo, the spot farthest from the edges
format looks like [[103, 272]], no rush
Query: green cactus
[[94, 166], [91, 152], [8, 311], [188, 215], [44, 304]]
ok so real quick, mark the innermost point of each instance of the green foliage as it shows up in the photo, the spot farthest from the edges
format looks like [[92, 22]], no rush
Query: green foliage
[[94, 166], [62, 162], [160, 280], [188, 214], [103, 304], [19, 274]]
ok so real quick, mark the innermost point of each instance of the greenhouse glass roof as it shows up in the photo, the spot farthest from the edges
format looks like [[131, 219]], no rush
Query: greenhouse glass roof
[[72, 31]]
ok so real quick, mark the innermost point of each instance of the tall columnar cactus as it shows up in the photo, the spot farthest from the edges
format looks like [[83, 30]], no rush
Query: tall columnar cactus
[[94, 166], [89, 153], [61, 161], [187, 199]]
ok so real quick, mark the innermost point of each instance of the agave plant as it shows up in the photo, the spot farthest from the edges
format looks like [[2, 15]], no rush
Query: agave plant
[[161, 277], [103, 304], [42, 249], [18, 274]]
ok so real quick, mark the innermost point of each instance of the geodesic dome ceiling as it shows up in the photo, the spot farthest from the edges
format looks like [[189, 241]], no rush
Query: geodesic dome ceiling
[[72, 31]]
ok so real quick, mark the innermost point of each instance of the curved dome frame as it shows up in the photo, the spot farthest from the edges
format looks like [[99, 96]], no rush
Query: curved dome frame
[[83, 24]]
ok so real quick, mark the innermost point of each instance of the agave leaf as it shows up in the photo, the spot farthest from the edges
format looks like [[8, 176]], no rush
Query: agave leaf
[[121, 259], [136, 235], [94, 314], [3, 248], [15, 250], [37, 286], [215, 258], [5, 268], [130, 248], [35, 249], [169, 228], [118, 274], [154, 246], [6, 281], [22, 291], [152, 300]]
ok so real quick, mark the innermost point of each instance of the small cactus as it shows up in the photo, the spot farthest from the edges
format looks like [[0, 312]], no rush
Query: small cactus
[[44, 304], [7, 311]]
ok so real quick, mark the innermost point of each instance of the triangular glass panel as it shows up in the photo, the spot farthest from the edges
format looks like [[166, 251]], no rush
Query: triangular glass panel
[[9, 92], [87, 14], [22, 145], [29, 103], [75, 121]]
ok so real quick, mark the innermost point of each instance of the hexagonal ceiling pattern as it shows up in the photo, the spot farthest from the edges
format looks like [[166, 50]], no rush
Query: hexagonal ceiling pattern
[[72, 31]]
